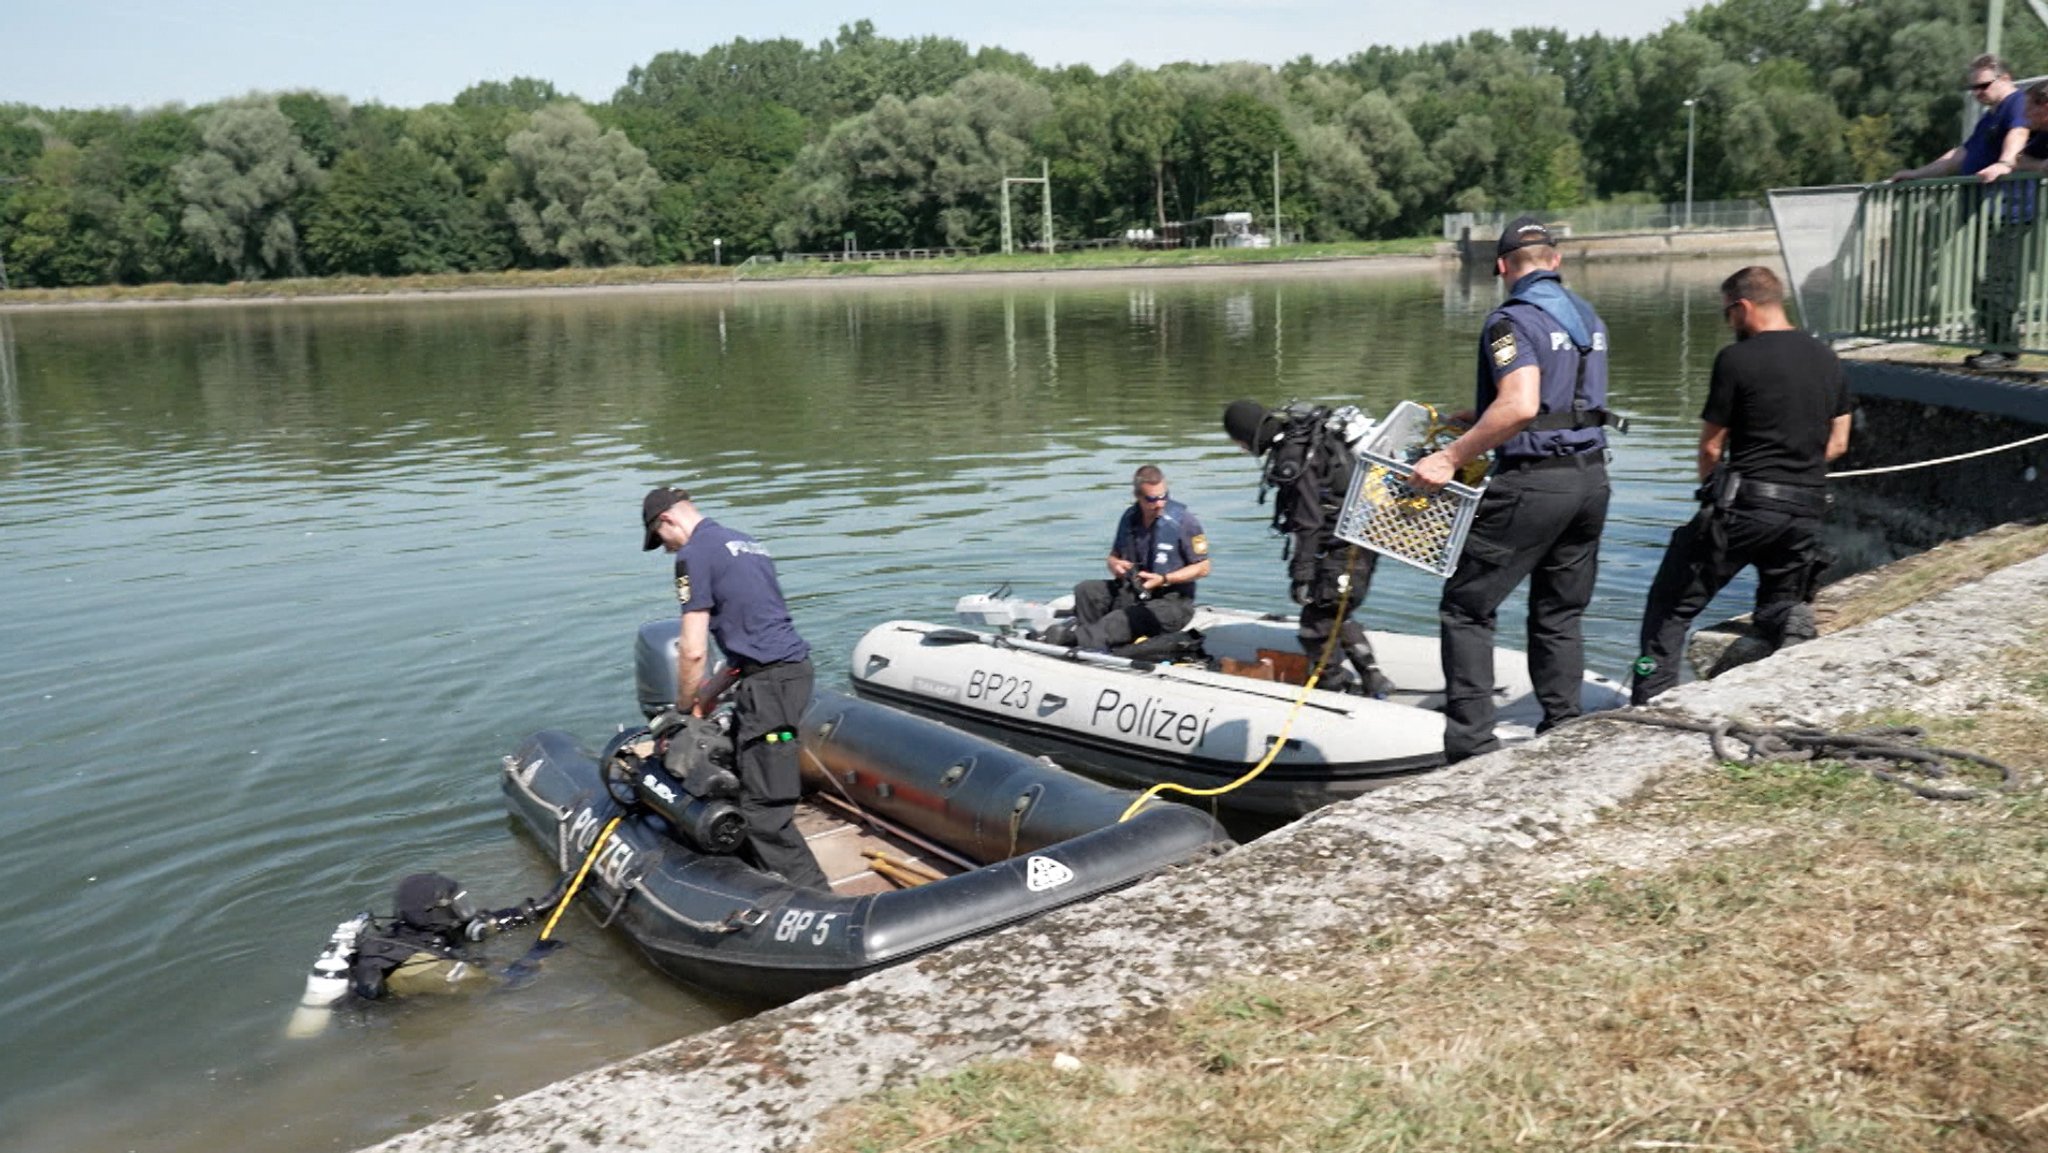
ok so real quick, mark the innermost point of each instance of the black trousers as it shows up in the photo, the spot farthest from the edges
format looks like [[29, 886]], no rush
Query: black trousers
[[1997, 298], [1541, 525], [1108, 614], [771, 700], [1702, 558], [1319, 616]]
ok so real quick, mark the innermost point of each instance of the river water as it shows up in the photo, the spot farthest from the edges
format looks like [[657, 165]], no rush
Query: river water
[[282, 583]]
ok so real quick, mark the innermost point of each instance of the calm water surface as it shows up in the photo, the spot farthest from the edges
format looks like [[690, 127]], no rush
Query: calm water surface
[[283, 583]]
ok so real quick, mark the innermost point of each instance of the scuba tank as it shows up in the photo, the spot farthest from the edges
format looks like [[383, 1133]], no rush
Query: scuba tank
[[327, 984]]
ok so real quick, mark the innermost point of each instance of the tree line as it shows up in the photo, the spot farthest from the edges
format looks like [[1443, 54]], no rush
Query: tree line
[[777, 146]]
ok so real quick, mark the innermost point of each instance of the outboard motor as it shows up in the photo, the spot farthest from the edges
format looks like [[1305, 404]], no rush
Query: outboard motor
[[683, 775]]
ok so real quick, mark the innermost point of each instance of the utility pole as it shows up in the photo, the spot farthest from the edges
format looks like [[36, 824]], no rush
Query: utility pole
[[1994, 30], [1045, 181], [1692, 108], [1276, 198]]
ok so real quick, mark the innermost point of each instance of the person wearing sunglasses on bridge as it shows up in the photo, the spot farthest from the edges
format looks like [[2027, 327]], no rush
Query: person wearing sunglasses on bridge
[[1992, 150]]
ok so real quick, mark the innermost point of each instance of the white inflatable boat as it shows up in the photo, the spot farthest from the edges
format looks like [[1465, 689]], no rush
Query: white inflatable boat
[[1189, 721]]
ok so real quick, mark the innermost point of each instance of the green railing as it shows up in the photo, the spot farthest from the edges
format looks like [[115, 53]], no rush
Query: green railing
[[1952, 261]]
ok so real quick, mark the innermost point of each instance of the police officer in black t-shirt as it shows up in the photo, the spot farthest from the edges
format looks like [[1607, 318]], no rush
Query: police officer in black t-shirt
[[1542, 412], [726, 586], [1777, 411]]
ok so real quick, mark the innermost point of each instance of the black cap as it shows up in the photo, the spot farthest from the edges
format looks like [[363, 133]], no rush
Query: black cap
[[656, 502], [1249, 424], [1524, 232]]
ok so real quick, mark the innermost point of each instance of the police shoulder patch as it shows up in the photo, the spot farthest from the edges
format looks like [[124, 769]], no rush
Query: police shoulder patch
[[1500, 342], [683, 588], [1199, 544]]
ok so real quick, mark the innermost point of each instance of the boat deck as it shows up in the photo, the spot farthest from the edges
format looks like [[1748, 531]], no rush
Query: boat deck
[[847, 848]]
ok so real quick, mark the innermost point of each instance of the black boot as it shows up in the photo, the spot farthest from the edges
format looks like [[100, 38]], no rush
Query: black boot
[[1373, 683], [1337, 679], [1059, 632]]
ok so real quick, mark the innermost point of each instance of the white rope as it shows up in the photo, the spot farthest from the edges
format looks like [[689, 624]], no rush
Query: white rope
[[1932, 463]]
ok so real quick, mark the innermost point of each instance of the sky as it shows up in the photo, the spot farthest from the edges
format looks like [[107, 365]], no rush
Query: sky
[[142, 53]]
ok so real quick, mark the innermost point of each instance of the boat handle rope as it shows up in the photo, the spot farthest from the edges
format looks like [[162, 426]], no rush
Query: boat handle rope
[[1300, 700], [590, 859]]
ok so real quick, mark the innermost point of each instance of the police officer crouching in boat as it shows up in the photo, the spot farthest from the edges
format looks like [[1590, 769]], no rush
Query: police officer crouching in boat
[[1158, 554], [1542, 412], [1777, 412]]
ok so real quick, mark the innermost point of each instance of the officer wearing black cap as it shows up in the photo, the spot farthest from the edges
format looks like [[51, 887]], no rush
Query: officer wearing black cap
[[727, 588], [1542, 412]]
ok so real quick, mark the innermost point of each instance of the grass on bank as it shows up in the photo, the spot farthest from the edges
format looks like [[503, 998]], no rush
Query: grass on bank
[[1826, 963], [1946, 566], [621, 275]]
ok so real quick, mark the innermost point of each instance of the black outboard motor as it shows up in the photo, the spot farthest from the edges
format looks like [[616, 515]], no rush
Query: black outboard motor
[[685, 776]]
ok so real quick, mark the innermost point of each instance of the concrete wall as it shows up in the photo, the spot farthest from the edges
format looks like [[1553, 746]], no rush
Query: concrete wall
[[1735, 242], [1908, 414]]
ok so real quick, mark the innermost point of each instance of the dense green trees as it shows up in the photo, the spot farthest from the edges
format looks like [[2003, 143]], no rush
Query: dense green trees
[[776, 145], [579, 194], [239, 190]]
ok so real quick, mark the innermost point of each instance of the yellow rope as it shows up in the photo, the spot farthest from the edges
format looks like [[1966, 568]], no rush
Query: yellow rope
[[1315, 674], [578, 882]]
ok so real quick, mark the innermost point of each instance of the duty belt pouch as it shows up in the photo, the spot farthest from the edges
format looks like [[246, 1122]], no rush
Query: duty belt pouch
[[1719, 493]]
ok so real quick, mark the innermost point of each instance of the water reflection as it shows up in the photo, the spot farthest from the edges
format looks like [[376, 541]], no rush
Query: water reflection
[[284, 582], [10, 391]]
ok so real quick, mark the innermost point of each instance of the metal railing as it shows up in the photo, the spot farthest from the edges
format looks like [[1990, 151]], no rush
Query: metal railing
[[1952, 261], [1588, 219]]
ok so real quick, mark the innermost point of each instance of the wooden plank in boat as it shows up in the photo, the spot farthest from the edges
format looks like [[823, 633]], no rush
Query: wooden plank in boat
[[841, 846]]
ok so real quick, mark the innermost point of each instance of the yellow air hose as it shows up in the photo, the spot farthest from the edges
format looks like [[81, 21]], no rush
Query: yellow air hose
[[1315, 674], [589, 860]]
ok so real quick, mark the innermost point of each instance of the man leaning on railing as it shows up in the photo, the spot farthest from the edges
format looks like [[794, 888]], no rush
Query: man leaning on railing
[[1992, 150]]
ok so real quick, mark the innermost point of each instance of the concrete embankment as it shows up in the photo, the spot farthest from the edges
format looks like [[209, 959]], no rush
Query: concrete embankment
[[1668, 244], [1276, 906]]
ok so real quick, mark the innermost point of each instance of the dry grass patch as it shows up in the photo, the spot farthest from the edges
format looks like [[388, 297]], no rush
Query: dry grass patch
[[1831, 964], [1867, 596]]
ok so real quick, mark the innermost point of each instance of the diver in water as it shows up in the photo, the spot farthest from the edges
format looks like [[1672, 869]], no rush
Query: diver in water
[[427, 946]]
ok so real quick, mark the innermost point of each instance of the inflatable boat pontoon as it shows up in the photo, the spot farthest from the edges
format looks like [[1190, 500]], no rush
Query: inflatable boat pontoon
[[1137, 722]]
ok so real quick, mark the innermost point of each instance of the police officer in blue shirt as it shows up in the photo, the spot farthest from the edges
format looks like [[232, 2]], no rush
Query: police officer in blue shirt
[[1159, 553], [1542, 412], [726, 586]]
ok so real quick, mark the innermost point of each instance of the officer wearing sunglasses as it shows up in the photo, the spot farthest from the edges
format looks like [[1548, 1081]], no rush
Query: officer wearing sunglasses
[[1993, 149], [1160, 551]]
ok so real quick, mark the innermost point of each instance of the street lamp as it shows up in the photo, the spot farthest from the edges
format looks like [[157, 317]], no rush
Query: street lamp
[[1692, 109], [717, 250]]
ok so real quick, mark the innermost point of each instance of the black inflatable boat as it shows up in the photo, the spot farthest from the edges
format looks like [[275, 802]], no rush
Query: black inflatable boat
[[929, 835]]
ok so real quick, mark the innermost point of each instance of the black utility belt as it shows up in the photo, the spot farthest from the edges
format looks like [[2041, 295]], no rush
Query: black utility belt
[[1585, 459], [748, 668], [1798, 495]]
